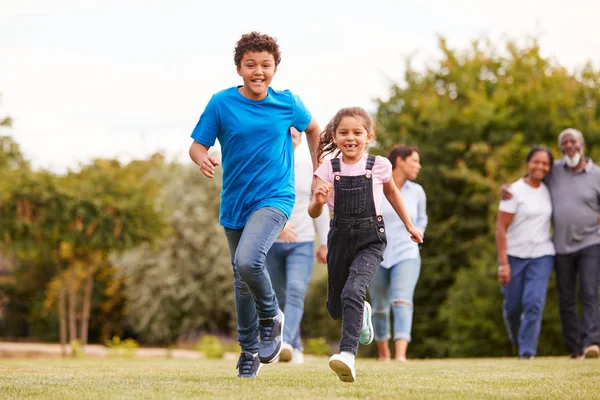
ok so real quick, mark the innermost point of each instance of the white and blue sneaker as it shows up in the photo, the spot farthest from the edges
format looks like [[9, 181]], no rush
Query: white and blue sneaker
[[248, 365], [367, 332], [271, 338]]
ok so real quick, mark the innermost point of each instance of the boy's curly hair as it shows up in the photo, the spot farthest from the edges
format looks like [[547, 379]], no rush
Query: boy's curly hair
[[255, 41]]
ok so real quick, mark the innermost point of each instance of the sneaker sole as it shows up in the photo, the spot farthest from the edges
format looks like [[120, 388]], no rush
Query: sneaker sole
[[273, 357], [342, 370], [369, 325], [285, 355], [591, 354]]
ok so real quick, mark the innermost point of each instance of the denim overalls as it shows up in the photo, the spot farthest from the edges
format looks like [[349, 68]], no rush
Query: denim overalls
[[355, 242]]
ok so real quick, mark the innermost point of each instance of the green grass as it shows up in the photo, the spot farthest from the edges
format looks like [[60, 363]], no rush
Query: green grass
[[542, 378]]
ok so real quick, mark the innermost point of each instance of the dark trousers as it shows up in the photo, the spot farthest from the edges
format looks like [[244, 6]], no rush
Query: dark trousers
[[581, 267], [355, 249]]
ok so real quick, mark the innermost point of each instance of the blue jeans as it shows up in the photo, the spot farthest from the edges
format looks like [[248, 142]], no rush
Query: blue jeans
[[290, 266], [524, 300], [254, 295], [394, 287]]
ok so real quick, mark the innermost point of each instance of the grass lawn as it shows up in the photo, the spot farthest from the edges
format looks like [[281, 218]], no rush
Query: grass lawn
[[124, 378]]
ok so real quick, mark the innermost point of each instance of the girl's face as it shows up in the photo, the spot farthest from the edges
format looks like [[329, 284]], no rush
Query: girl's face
[[257, 70], [411, 166], [539, 165], [352, 138]]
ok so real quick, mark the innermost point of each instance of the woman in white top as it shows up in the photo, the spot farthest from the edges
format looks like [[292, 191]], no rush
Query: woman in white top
[[526, 252]]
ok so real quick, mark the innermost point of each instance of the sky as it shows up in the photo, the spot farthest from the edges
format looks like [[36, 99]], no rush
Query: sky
[[85, 79]]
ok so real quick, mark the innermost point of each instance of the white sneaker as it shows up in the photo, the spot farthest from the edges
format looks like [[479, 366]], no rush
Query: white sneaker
[[297, 357], [287, 352], [343, 366]]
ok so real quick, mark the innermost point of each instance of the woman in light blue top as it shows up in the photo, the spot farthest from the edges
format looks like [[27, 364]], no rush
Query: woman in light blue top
[[394, 283]]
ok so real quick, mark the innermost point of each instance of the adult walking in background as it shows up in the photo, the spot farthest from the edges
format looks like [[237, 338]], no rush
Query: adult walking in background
[[290, 259], [574, 184], [526, 252], [394, 283]]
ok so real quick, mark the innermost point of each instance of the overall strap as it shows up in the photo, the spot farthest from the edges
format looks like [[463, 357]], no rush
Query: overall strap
[[335, 164], [370, 162]]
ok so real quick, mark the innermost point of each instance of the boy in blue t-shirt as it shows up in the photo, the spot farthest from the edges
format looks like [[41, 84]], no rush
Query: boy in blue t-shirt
[[252, 123]]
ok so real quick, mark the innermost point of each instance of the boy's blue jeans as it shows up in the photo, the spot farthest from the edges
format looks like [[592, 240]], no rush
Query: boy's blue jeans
[[394, 288], [524, 300], [290, 266], [254, 295]]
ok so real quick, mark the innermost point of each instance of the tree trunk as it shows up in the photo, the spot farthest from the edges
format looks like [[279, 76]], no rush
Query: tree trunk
[[72, 305], [62, 316], [87, 302]]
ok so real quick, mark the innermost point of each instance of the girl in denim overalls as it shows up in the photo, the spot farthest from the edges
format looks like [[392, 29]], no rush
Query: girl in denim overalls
[[353, 185]]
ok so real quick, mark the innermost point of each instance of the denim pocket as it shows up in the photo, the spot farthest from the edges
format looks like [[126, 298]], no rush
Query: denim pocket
[[353, 200]]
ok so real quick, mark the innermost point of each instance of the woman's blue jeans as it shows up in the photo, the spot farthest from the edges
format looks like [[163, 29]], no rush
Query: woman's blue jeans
[[290, 266], [394, 288], [524, 300]]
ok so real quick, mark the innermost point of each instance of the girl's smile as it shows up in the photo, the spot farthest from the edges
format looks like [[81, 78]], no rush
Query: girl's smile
[[352, 138]]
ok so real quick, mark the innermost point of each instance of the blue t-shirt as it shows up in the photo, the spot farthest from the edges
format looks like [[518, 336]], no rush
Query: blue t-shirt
[[257, 154]]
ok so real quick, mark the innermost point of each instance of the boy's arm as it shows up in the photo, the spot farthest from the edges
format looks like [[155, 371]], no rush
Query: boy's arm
[[199, 155], [313, 132]]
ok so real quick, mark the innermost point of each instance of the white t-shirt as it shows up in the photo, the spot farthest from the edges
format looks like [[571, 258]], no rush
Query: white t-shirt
[[528, 236], [303, 223]]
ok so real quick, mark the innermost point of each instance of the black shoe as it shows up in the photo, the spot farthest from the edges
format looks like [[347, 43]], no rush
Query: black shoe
[[248, 365], [271, 338]]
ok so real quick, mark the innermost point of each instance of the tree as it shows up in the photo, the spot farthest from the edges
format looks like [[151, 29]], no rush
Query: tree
[[186, 284], [474, 115], [76, 221]]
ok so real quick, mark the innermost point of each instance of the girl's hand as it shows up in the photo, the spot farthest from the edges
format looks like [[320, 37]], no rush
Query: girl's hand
[[207, 166], [322, 193], [415, 234], [504, 274]]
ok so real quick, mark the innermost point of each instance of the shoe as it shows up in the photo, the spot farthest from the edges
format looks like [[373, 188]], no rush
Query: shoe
[[591, 351], [287, 352], [248, 365], [367, 333], [297, 357], [271, 338], [343, 366], [526, 356]]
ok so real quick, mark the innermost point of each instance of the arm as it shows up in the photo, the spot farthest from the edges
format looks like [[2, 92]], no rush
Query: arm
[[393, 195], [199, 154], [502, 223], [322, 227], [321, 192], [422, 218], [313, 132]]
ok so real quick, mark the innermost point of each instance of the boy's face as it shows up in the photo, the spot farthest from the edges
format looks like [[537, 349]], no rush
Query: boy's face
[[257, 70]]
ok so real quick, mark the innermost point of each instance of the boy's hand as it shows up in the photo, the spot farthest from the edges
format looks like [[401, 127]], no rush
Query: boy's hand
[[415, 234], [322, 193], [207, 166]]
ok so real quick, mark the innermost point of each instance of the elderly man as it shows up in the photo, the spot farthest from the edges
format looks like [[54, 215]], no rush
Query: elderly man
[[574, 184]]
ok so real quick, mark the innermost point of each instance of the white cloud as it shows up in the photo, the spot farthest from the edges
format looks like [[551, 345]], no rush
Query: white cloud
[[85, 79]]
